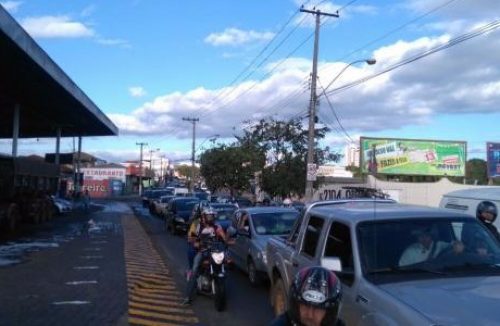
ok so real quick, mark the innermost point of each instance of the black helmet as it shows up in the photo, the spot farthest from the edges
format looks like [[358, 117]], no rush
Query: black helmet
[[317, 287], [486, 207]]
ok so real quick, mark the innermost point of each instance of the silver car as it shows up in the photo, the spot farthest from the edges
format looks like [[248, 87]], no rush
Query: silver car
[[254, 226]]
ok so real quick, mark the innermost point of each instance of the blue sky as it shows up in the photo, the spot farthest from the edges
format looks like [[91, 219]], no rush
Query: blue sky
[[146, 64]]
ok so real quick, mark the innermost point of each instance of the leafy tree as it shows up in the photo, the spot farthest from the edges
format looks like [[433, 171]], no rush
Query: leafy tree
[[185, 171], [475, 169], [231, 166], [285, 145]]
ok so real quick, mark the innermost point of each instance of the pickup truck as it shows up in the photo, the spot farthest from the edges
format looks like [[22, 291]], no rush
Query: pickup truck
[[398, 264]]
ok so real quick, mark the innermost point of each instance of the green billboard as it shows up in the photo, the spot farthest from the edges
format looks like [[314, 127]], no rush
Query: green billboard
[[413, 157]]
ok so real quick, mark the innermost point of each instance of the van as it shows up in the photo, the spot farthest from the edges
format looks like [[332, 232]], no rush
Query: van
[[467, 200]]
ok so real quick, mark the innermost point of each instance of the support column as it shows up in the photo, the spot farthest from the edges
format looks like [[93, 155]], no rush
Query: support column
[[57, 160], [78, 163], [15, 129]]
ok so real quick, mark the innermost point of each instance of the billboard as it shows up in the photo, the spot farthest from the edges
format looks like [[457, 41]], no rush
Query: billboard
[[98, 173], [493, 159], [413, 157]]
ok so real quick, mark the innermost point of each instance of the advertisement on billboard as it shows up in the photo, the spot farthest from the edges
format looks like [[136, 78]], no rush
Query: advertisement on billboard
[[493, 159], [104, 173], [413, 157]]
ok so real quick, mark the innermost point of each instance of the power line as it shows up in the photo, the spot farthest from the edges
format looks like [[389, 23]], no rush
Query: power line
[[462, 38]]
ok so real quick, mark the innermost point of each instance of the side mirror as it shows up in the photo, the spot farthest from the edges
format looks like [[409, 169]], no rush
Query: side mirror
[[231, 232], [332, 263]]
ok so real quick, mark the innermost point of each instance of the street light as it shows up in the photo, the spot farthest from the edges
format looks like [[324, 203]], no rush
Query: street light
[[211, 138], [368, 61], [310, 166]]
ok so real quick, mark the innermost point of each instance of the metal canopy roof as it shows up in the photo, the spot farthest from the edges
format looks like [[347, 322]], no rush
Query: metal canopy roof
[[48, 98]]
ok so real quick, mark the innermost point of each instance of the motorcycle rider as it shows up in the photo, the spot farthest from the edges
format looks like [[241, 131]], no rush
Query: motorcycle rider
[[287, 202], [314, 300], [487, 213], [207, 227]]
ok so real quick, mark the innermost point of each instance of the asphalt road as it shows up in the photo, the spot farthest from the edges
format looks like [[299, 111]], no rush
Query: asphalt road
[[246, 305]]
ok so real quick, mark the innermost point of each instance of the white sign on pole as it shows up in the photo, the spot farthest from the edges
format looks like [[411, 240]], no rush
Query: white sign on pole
[[311, 172]]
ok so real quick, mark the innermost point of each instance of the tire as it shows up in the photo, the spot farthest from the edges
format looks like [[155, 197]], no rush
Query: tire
[[220, 295], [279, 297], [253, 275]]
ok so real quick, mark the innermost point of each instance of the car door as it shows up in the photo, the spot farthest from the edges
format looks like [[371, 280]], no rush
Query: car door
[[242, 237], [339, 244], [307, 253]]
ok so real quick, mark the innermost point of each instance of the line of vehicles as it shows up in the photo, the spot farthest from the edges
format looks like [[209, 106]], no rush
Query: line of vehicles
[[368, 243]]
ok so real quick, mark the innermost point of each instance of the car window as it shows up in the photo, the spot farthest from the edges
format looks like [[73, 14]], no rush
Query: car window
[[294, 234], [311, 237], [276, 223], [339, 244], [243, 222]]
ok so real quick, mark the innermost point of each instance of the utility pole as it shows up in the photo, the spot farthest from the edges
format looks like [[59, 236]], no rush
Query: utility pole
[[151, 151], [140, 167], [311, 166], [193, 121]]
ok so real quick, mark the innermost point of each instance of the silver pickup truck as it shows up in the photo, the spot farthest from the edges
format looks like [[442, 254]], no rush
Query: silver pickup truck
[[398, 264]]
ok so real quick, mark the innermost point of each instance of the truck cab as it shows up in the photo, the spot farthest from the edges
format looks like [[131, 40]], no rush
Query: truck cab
[[370, 246]]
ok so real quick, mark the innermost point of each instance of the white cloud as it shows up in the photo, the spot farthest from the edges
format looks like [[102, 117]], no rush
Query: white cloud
[[11, 6], [137, 91], [460, 80], [237, 37], [56, 27], [88, 11]]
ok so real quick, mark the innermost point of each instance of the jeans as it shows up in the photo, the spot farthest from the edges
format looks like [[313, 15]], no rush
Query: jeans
[[191, 252], [191, 286]]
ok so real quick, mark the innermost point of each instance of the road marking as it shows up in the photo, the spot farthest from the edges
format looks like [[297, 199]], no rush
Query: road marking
[[85, 267], [81, 282], [153, 296], [91, 257], [60, 303], [98, 242], [92, 249]]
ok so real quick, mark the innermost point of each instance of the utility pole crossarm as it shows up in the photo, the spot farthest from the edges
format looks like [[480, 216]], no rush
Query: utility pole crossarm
[[319, 12]]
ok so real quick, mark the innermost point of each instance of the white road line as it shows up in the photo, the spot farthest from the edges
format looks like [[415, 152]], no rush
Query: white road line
[[60, 303], [86, 267], [92, 249], [81, 282], [91, 257], [98, 242]]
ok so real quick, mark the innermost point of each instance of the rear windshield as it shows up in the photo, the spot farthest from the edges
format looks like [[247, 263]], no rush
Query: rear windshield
[[186, 205], [278, 223]]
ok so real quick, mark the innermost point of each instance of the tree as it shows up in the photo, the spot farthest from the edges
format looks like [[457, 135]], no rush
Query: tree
[[285, 145], [231, 166], [185, 171], [475, 169]]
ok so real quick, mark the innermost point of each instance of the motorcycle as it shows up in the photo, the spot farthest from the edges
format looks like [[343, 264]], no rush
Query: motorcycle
[[211, 278]]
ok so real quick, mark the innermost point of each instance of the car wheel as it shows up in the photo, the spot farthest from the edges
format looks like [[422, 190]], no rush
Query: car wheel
[[279, 297], [253, 274]]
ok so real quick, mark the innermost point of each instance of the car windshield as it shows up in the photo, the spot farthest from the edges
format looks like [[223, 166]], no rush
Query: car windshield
[[431, 246], [277, 223], [186, 205]]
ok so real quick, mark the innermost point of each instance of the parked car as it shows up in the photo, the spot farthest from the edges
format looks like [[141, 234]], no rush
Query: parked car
[[61, 206], [254, 227], [243, 202], [398, 264], [179, 211]]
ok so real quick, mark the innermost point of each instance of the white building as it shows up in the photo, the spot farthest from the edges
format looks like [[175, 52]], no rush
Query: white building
[[351, 155]]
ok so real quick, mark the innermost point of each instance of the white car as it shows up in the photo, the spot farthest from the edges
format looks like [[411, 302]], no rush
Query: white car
[[62, 206]]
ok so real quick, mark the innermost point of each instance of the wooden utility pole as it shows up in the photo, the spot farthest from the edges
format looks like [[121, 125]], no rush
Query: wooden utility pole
[[311, 166], [193, 121], [140, 167]]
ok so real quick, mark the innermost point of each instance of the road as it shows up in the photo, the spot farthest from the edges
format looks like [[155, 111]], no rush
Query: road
[[115, 265], [246, 305]]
